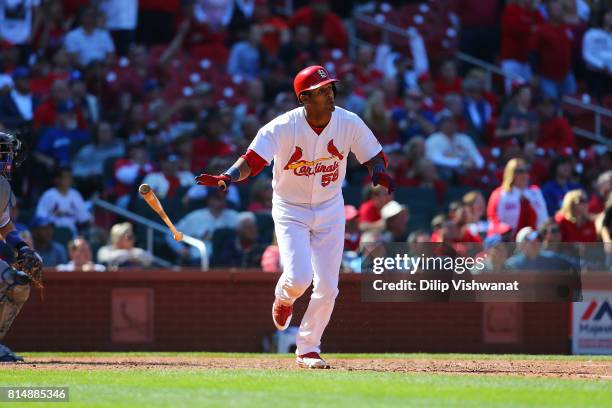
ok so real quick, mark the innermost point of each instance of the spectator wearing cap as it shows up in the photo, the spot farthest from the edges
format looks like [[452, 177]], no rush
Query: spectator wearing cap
[[51, 252], [516, 203], [395, 216], [518, 20], [552, 49], [45, 115], [88, 164], [517, 122], [121, 251], [352, 234], [496, 254], [603, 187], [17, 106], [88, 42], [202, 223], [573, 218], [555, 132], [413, 119], [369, 210], [551, 235], [451, 150], [64, 205], [328, 28], [242, 250], [597, 54], [166, 182], [131, 169], [121, 19], [559, 183], [57, 143], [80, 256], [531, 257]]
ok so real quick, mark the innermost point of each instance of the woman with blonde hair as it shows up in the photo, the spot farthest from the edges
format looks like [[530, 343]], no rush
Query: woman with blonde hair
[[573, 218], [378, 118], [121, 251], [516, 203]]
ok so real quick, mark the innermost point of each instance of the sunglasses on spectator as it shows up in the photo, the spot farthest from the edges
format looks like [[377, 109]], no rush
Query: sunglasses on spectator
[[522, 170], [582, 200]]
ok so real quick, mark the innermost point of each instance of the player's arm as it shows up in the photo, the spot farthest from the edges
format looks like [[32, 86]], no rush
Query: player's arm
[[377, 167], [249, 164]]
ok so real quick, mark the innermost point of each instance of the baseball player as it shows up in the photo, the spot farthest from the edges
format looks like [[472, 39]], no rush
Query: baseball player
[[14, 280], [309, 146]]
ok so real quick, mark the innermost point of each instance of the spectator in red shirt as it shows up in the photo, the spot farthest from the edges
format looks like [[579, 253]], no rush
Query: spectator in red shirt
[[518, 21], [461, 214], [130, 170], [366, 74], [603, 187], [479, 35], [211, 144], [551, 44], [327, 27], [573, 219], [448, 81], [46, 114], [555, 131], [369, 211], [431, 100], [274, 28]]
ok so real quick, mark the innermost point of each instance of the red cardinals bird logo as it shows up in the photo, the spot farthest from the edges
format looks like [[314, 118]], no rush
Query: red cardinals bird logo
[[333, 150], [297, 155]]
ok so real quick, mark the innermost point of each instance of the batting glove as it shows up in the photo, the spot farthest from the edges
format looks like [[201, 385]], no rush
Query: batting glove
[[380, 176], [222, 181]]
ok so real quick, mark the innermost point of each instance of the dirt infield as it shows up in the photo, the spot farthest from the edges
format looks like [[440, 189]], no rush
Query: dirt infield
[[587, 369]]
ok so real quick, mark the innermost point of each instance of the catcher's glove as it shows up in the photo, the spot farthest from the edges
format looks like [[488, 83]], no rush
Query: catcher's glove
[[31, 263]]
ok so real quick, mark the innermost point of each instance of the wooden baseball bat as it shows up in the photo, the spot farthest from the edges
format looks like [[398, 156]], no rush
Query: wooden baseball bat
[[149, 196]]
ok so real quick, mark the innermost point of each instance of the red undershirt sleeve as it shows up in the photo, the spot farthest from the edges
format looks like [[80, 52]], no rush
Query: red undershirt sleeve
[[255, 161]]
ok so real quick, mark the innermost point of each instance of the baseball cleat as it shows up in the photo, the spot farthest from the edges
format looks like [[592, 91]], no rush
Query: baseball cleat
[[7, 356], [311, 360], [281, 315]]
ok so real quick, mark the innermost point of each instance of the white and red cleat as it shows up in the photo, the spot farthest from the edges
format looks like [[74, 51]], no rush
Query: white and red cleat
[[311, 360], [281, 315]]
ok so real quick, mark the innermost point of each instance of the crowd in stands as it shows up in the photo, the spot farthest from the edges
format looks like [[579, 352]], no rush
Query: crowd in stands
[[108, 94]]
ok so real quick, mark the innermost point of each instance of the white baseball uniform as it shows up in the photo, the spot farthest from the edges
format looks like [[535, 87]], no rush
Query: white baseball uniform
[[308, 207]]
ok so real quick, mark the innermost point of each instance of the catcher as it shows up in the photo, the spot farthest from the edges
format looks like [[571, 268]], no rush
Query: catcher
[[15, 279]]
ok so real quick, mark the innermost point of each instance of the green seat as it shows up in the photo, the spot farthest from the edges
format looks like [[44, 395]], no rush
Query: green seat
[[265, 226], [353, 195], [422, 203]]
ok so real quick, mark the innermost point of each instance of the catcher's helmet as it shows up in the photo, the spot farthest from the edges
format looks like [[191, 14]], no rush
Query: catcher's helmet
[[11, 154], [311, 78]]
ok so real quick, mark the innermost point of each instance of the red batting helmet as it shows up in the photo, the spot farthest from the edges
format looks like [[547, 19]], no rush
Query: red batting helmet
[[311, 78]]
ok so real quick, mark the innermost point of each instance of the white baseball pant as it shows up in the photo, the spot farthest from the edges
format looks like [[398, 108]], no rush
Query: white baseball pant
[[311, 241]]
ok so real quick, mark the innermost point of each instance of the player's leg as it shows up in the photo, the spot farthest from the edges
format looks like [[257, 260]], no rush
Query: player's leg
[[14, 292], [327, 244], [293, 237]]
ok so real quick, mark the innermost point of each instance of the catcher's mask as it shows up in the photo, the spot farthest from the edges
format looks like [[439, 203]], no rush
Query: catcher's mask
[[11, 154]]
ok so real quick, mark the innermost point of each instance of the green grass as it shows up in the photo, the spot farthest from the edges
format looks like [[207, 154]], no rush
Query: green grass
[[429, 356], [302, 388]]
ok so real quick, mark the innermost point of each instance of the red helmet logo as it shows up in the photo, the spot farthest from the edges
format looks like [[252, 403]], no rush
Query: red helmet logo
[[311, 78]]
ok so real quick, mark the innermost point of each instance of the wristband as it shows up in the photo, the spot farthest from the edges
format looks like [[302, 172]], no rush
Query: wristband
[[233, 173], [14, 240]]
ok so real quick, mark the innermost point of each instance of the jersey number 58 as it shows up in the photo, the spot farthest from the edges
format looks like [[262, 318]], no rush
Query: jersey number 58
[[328, 178]]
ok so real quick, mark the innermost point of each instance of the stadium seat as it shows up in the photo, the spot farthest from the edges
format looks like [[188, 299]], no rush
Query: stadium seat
[[352, 195], [265, 226], [422, 203]]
